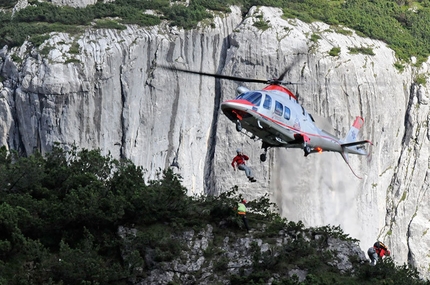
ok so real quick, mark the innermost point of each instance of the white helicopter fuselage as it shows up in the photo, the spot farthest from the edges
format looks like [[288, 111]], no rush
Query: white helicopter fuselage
[[274, 116]]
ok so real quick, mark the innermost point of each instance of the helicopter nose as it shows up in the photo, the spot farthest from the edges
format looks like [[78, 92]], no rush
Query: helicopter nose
[[236, 109]]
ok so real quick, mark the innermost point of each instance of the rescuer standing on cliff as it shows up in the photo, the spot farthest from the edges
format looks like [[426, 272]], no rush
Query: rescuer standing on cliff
[[241, 210]]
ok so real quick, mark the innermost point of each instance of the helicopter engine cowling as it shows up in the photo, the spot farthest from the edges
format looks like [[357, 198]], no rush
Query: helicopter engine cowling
[[241, 90]]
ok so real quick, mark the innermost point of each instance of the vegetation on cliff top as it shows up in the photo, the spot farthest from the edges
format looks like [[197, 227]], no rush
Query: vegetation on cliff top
[[60, 217], [403, 25]]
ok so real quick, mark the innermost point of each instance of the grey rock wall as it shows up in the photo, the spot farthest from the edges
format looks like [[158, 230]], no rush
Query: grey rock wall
[[208, 257], [114, 95]]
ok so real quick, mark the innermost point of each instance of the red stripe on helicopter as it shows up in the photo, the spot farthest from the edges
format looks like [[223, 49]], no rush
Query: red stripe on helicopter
[[237, 114], [280, 88], [358, 123]]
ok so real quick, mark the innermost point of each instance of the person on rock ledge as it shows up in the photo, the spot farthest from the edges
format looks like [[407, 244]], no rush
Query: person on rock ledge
[[378, 251]]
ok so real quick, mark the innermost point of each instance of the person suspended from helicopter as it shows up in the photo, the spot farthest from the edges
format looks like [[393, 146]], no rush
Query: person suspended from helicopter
[[239, 162], [378, 251]]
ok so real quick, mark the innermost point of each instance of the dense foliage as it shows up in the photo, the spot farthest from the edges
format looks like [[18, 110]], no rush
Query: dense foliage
[[404, 25], [66, 218]]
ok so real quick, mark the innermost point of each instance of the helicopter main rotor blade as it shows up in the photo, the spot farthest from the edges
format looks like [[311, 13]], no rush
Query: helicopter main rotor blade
[[220, 76], [236, 78], [287, 70]]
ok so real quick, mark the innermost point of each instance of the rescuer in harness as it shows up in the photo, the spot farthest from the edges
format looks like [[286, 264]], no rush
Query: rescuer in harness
[[239, 160], [241, 210], [379, 250]]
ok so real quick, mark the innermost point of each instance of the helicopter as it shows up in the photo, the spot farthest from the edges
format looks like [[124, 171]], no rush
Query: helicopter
[[274, 116]]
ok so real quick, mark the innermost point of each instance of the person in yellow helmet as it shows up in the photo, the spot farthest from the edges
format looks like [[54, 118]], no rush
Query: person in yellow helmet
[[241, 210]]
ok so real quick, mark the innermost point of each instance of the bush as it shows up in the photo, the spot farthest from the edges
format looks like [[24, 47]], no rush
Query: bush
[[334, 51], [363, 50], [262, 25], [7, 4], [109, 24]]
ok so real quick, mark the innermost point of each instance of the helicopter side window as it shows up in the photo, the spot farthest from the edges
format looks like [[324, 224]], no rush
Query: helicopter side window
[[253, 97], [287, 113], [279, 108], [267, 102]]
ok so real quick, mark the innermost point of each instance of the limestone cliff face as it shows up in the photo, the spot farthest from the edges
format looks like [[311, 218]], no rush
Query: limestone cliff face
[[106, 89]]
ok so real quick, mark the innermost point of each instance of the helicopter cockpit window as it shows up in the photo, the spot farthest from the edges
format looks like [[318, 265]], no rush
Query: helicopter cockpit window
[[267, 102], [253, 97], [279, 108], [287, 113]]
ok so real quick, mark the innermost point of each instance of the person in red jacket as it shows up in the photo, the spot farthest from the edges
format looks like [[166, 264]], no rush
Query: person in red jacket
[[379, 250], [239, 162]]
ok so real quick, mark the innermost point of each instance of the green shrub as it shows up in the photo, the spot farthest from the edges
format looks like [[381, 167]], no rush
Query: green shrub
[[399, 66], [315, 38], [109, 24], [420, 79], [262, 25], [72, 60], [7, 4], [334, 51], [37, 40], [363, 50], [16, 58]]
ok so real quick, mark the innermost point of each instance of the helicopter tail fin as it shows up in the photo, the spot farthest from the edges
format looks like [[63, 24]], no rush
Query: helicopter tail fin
[[350, 143], [353, 131]]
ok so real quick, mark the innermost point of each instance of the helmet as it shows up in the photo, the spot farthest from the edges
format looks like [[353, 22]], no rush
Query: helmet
[[238, 150]]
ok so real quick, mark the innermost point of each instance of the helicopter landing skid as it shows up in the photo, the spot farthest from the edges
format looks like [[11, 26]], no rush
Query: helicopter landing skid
[[263, 156], [306, 149], [238, 126]]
